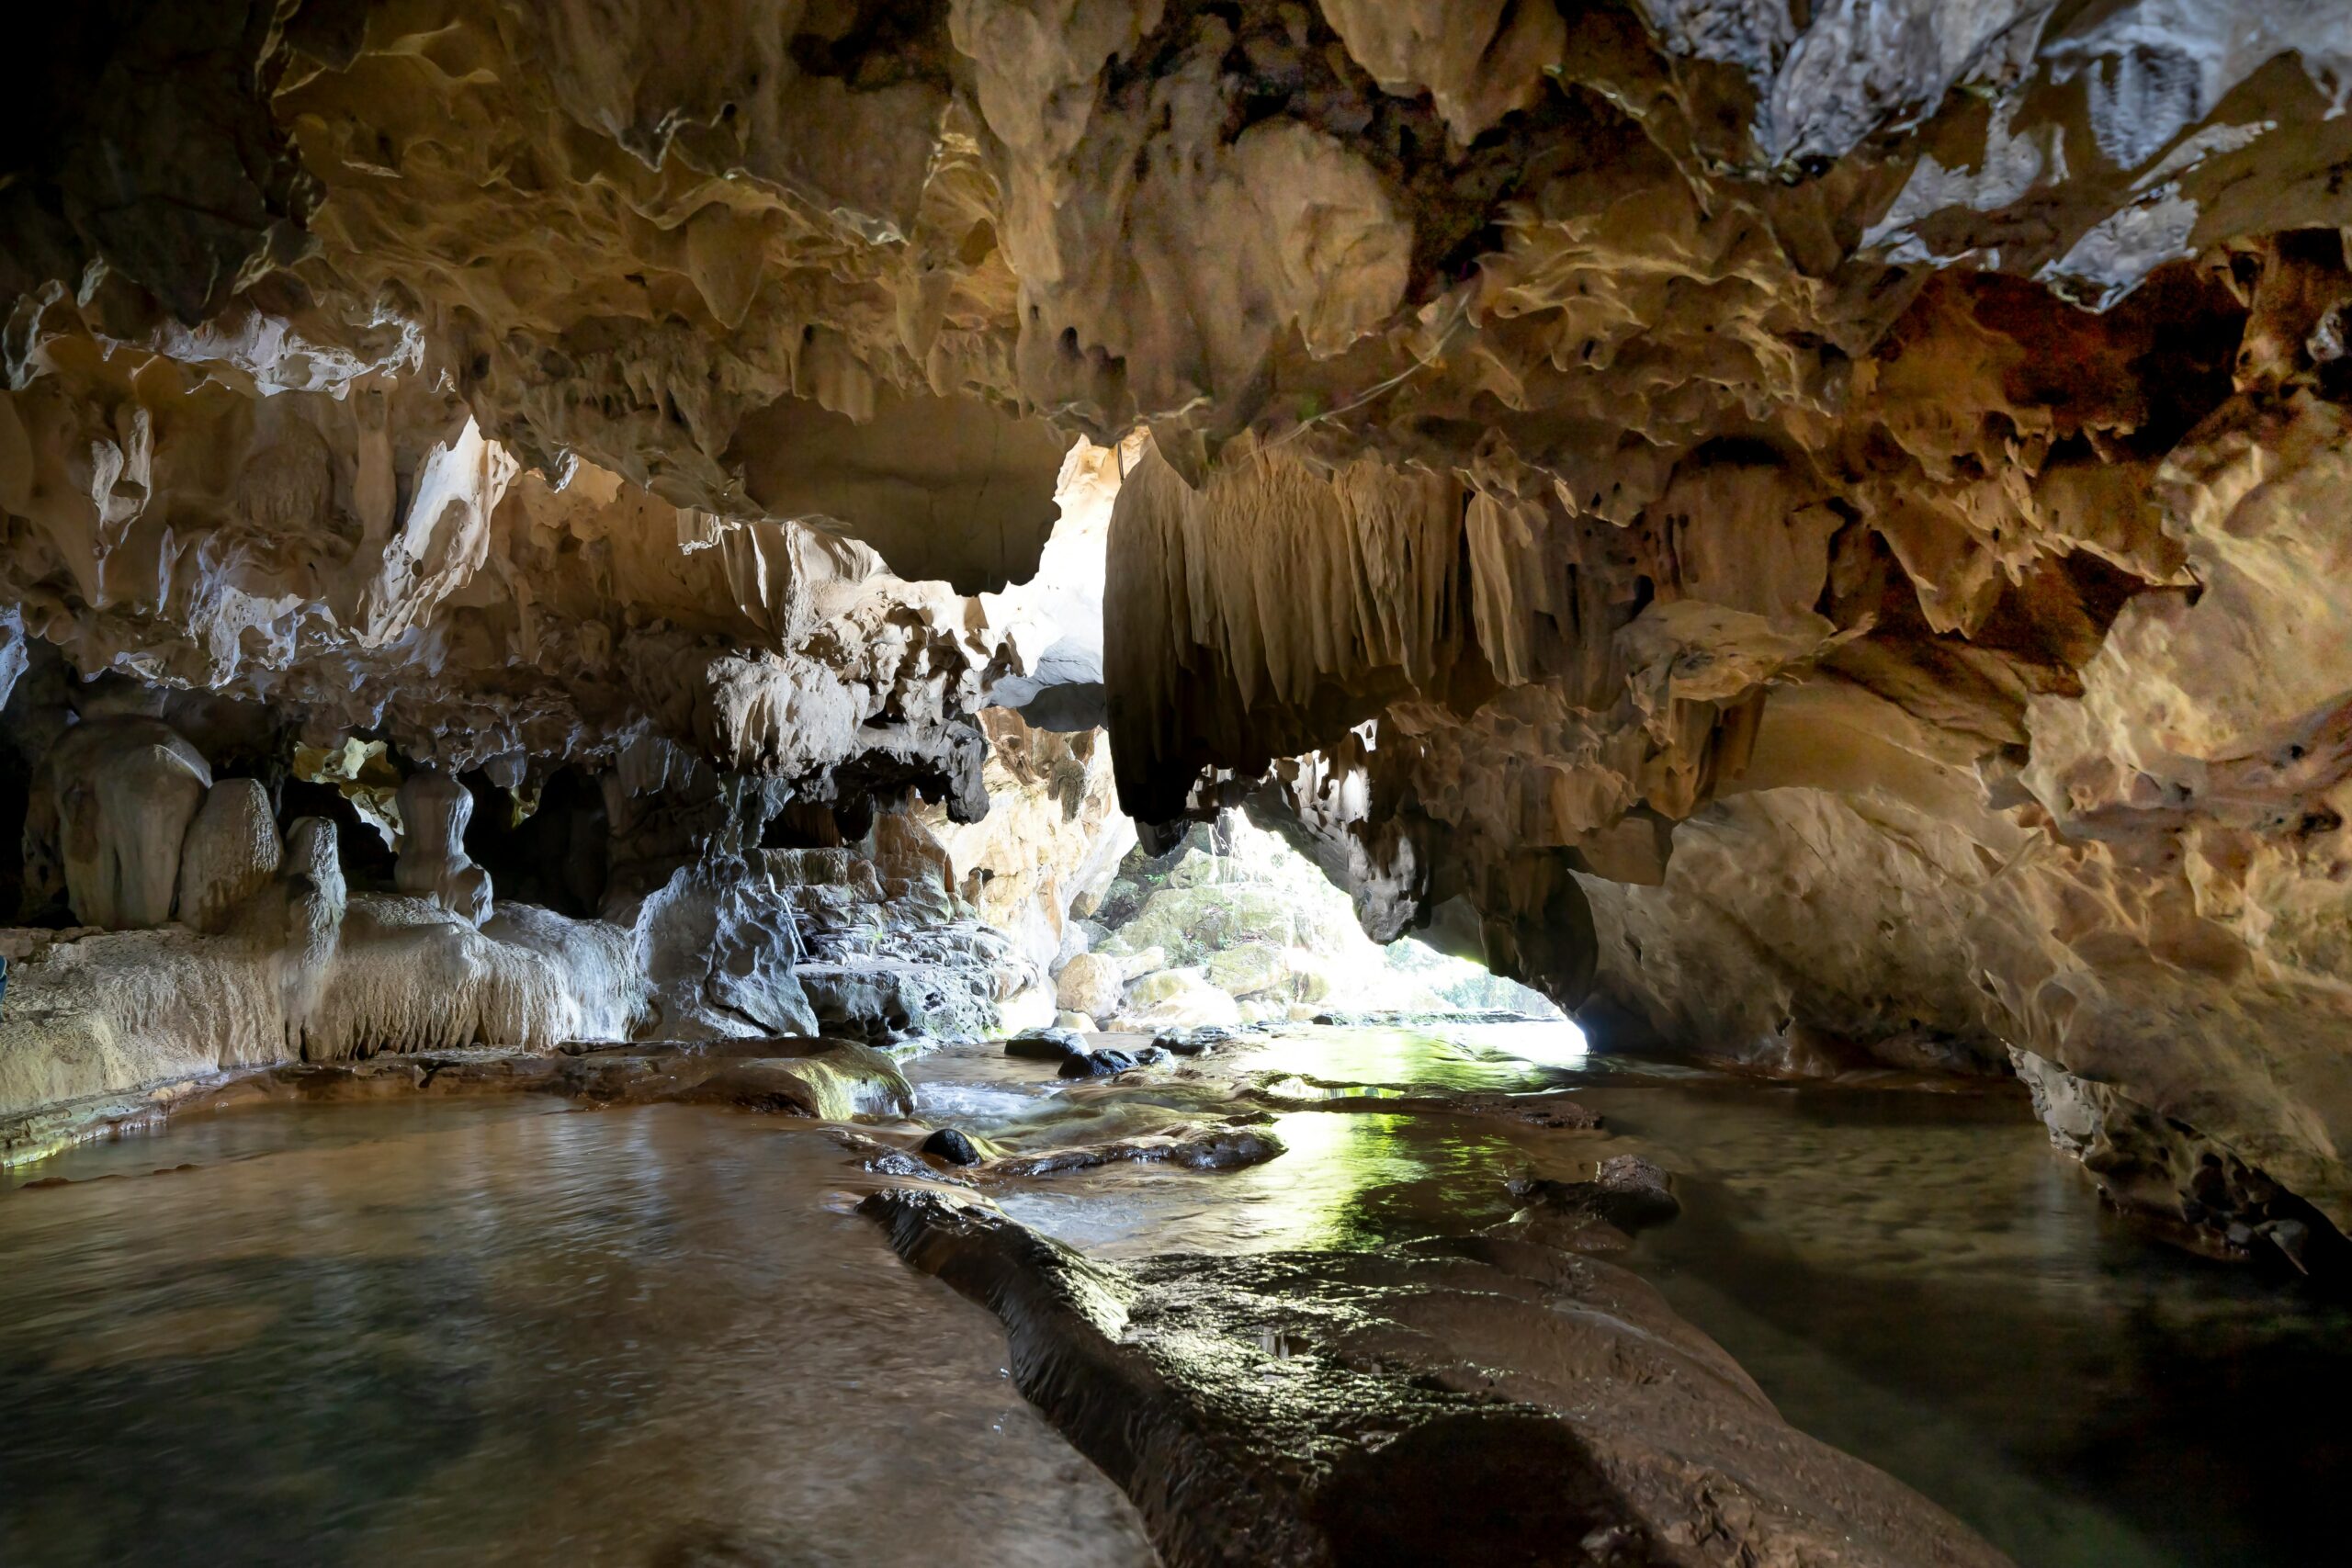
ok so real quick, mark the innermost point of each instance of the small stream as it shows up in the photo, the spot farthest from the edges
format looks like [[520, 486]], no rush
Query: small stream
[[1913, 1276], [502, 1331]]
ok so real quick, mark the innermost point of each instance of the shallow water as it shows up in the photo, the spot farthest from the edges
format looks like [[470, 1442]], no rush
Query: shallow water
[[492, 1331], [488, 1333], [1918, 1278]]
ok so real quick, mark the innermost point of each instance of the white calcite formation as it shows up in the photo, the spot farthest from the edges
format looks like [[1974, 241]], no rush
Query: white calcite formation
[[1814, 531]]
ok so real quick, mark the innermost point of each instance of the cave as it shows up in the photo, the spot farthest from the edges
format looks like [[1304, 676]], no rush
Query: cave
[[1123, 782]]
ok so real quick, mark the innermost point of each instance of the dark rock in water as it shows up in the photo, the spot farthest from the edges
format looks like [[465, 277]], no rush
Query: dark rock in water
[[1096, 1064], [1627, 1192], [952, 1146], [1149, 1054], [1193, 1042], [900, 1163], [1636, 1193], [1462, 1400], [1047, 1044], [1228, 1147]]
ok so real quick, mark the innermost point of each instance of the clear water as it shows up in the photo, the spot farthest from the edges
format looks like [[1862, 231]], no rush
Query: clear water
[[1918, 1278], [490, 1334]]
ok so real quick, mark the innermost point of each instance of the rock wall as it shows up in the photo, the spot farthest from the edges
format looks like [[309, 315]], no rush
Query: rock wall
[[1806, 529]]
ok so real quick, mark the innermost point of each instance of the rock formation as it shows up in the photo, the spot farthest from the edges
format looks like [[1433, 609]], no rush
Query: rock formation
[[1810, 531], [1465, 1399]]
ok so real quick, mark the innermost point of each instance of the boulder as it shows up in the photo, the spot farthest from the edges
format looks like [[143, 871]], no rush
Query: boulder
[[954, 1147], [1177, 998], [1053, 1045], [1092, 984]]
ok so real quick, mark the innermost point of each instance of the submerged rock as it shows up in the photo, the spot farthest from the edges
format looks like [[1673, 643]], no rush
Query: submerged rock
[[1627, 1194], [828, 1079], [1195, 1148], [1465, 1400]]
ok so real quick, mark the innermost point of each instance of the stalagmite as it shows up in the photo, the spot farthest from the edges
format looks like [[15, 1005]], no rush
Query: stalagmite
[[123, 790], [311, 881], [232, 852], [433, 864]]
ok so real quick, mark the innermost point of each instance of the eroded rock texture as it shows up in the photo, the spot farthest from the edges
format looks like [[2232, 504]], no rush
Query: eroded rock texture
[[1458, 1399], [1813, 530]]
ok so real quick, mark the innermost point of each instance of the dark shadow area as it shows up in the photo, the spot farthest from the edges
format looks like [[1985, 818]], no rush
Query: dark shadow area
[[558, 856]]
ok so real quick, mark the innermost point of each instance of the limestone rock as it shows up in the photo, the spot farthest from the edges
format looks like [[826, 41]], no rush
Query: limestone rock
[[1091, 984], [113, 806], [231, 853], [1796, 528], [434, 809], [1523, 1397], [1176, 998]]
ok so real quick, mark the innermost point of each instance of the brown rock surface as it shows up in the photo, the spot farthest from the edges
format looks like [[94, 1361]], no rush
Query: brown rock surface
[[1810, 529], [1473, 1399]]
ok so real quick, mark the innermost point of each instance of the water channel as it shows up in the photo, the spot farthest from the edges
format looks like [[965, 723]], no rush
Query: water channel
[[506, 1331]]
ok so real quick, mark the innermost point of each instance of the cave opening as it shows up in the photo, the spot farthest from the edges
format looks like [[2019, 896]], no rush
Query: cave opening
[[1724, 625]]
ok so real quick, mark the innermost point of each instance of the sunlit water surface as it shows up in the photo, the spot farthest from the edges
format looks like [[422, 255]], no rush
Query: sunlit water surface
[[1915, 1277], [497, 1333]]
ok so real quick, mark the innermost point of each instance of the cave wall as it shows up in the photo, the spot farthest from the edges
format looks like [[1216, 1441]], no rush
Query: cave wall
[[1810, 528]]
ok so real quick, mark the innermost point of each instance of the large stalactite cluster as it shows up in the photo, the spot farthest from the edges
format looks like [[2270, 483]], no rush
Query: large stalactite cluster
[[1811, 530]]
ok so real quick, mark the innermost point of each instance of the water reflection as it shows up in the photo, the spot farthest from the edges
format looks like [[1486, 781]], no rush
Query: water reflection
[[1916, 1278], [493, 1335], [424, 1332]]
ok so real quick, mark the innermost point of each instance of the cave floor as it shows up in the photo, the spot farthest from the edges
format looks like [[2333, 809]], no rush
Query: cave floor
[[491, 1330]]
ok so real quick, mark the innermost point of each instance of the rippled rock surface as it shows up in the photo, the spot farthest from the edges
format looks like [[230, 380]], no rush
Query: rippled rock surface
[[1476, 1400]]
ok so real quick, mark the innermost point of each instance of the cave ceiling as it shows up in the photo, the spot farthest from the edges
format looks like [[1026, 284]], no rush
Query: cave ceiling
[[1615, 471]]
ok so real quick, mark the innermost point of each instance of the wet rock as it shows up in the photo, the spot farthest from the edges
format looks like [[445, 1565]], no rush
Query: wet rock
[[1195, 1148], [1053, 1045], [1096, 1064], [830, 1079], [899, 1164], [2180, 1185], [953, 1146], [1627, 1192], [1465, 1400], [1195, 1042]]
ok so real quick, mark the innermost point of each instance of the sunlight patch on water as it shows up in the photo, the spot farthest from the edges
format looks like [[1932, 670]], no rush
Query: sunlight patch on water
[[1550, 1044]]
